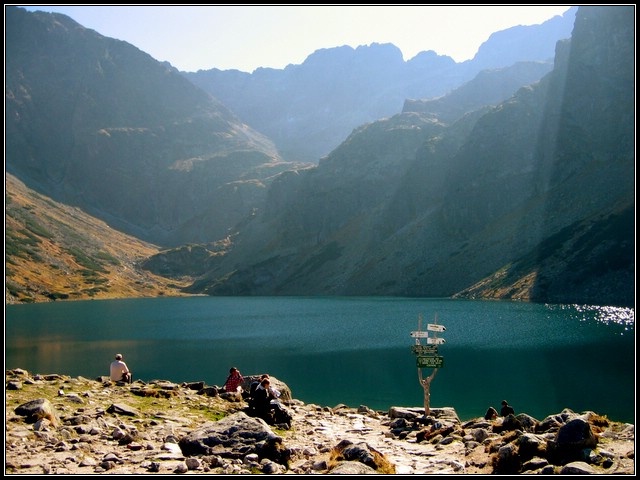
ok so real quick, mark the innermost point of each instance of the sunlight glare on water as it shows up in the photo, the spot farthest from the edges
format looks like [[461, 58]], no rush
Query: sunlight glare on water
[[606, 315]]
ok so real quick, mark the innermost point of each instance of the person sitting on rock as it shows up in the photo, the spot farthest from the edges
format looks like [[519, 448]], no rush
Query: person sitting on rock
[[261, 401], [234, 381], [506, 409], [256, 384], [265, 404], [118, 370]]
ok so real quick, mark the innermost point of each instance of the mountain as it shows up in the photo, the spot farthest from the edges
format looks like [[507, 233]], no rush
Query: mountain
[[531, 42], [532, 198], [309, 109], [57, 252], [489, 87], [480, 192], [96, 123]]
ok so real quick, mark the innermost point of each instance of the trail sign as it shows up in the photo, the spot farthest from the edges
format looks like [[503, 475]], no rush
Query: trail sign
[[420, 334], [424, 349], [435, 341], [430, 362], [434, 327]]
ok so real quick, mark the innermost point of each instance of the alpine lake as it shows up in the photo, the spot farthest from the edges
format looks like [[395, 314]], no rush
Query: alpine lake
[[541, 358]]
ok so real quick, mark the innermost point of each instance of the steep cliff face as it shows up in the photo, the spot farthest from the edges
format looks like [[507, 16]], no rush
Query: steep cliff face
[[516, 184], [95, 122], [585, 168]]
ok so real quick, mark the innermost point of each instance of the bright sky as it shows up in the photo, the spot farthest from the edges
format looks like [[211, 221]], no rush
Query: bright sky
[[246, 37]]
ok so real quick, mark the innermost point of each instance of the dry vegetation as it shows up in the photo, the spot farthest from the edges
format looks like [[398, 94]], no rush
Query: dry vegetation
[[57, 252]]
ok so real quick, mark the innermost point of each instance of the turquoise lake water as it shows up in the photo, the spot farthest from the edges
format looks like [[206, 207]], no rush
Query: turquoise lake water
[[351, 350]]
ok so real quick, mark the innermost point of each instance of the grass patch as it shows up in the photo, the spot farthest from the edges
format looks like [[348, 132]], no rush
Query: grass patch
[[150, 400], [57, 296], [107, 257], [36, 228], [84, 260]]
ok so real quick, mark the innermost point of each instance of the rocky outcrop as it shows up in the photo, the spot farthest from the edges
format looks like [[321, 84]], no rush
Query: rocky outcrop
[[123, 429]]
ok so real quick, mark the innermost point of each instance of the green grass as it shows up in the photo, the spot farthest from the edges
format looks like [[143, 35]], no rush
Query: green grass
[[85, 260]]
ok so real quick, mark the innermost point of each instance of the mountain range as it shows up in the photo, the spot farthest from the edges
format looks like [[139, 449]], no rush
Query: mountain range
[[309, 109], [481, 179]]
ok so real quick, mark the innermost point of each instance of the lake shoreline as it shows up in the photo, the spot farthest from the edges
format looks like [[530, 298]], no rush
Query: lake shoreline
[[347, 350], [102, 427]]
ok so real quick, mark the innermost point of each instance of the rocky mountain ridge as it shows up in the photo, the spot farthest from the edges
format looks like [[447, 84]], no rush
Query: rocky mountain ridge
[[311, 108], [96, 123]]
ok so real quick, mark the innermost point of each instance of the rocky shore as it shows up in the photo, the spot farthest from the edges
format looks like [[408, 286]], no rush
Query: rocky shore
[[56, 424]]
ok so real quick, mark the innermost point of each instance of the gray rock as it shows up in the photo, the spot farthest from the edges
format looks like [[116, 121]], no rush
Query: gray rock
[[122, 409], [352, 468], [37, 409], [232, 437], [577, 468]]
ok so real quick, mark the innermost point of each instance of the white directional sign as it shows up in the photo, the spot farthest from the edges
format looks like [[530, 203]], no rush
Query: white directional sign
[[434, 327], [435, 341], [420, 334]]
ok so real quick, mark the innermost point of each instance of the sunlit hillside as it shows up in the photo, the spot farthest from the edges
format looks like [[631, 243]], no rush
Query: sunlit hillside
[[53, 251]]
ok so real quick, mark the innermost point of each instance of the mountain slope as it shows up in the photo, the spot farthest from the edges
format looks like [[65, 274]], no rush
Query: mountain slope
[[532, 198], [96, 123], [489, 87], [407, 206], [57, 252]]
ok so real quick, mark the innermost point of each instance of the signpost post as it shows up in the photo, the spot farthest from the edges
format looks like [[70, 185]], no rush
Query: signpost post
[[427, 355]]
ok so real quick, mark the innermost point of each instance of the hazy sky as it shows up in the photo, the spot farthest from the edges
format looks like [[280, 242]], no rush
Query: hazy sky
[[246, 37]]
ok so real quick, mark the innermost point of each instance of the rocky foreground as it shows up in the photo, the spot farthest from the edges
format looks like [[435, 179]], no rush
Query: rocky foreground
[[56, 424]]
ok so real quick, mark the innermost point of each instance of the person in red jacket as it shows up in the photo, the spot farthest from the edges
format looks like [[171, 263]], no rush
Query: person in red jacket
[[234, 381]]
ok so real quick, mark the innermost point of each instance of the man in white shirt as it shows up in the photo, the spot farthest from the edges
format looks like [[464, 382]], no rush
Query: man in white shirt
[[118, 370]]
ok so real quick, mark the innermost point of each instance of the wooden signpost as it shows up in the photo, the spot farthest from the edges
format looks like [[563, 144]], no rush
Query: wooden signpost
[[427, 355]]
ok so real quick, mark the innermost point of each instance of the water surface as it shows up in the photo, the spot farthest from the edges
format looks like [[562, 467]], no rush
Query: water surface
[[357, 351]]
